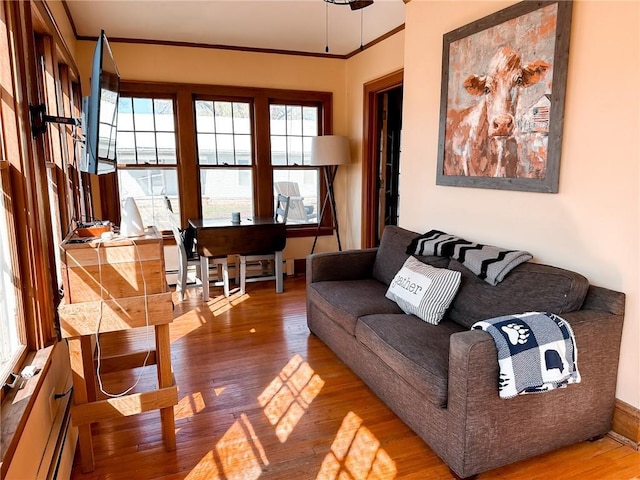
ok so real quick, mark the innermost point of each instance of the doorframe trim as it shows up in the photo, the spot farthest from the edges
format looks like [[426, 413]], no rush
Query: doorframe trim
[[370, 146]]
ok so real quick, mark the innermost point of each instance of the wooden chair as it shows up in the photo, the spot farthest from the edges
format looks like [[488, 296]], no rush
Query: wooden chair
[[185, 261], [264, 260], [298, 211]]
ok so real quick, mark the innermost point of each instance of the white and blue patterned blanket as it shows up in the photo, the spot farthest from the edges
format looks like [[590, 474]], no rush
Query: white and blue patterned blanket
[[537, 352]]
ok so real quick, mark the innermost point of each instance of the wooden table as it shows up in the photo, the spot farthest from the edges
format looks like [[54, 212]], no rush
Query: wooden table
[[220, 237]]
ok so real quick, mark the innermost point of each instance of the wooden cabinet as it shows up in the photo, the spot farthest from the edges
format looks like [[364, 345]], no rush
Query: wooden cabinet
[[113, 286]]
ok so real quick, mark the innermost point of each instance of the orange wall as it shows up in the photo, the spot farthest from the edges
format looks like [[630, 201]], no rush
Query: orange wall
[[592, 224], [382, 59]]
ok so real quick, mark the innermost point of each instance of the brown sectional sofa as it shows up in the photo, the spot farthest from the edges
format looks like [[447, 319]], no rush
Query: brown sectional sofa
[[442, 380]]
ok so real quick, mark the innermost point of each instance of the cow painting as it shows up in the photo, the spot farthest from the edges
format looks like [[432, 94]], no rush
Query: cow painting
[[482, 140]]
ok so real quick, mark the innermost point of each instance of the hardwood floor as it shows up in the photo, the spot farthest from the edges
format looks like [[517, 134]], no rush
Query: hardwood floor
[[261, 398]]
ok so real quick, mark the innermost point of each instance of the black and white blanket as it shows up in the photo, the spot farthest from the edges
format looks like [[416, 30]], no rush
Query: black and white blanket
[[537, 352], [489, 263]]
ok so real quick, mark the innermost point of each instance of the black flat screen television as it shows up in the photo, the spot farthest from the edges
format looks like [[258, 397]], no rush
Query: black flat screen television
[[100, 112]]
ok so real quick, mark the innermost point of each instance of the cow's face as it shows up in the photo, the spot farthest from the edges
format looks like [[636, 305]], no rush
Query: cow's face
[[501, 88]]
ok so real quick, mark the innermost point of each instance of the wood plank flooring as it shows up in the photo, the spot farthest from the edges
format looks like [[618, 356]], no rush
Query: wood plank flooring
[[261, 398]]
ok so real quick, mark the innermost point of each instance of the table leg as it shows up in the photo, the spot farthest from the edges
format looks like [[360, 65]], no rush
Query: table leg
[[279, 273], [225, 278], [81, 362], [204, 272], [243, 273], [165, 379]]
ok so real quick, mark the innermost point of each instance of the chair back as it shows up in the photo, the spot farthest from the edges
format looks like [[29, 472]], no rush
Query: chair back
[[177, 235], [282, 208], [298, 211]]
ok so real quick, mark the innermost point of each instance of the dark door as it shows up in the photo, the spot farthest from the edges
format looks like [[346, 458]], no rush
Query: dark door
[[388, 159]]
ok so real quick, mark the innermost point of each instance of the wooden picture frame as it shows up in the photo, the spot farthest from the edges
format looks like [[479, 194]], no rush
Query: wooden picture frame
[[502, 99]]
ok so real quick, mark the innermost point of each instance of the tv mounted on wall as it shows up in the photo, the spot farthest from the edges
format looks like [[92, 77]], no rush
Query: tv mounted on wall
[[100, 112]]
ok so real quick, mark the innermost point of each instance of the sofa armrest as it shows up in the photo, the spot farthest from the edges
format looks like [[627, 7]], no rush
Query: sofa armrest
[[479, 419], [473, 364], [347, 265]]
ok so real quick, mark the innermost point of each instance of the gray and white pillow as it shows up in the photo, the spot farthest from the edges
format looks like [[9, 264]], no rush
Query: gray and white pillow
[[423, 290]]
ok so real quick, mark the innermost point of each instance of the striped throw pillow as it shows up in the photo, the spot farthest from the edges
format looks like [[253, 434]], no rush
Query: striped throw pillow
[[423, 290]]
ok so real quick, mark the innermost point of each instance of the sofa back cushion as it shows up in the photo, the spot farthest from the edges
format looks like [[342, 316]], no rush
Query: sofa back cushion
[[392, 253], [529, 287]]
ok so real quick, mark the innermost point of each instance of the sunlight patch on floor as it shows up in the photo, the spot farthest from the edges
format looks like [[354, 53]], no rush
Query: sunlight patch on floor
[[238, 451], [238, 455], [289, 395], [189, 405], [356, 454]]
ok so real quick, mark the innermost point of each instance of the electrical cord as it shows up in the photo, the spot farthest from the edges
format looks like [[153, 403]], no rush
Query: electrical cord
[[146, 316]]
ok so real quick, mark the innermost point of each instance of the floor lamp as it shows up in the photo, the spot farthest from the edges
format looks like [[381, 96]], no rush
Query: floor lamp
[[328, 152]]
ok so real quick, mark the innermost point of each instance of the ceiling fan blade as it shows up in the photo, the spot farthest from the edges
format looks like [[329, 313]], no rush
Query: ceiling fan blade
[[358, 4]]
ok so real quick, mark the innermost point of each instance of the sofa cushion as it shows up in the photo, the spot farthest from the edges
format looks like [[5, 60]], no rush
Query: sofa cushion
[[392, 254], [529, 287], [345, 301], [417, 351], [423, 290]]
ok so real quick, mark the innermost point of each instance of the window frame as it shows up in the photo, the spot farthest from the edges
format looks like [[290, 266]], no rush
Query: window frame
[[114, 186], [260, 100]]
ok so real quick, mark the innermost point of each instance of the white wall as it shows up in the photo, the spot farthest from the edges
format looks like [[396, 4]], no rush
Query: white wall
[[592, 224]]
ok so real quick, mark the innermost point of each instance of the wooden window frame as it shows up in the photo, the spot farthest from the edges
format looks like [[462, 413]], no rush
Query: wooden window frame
[[188, 167]]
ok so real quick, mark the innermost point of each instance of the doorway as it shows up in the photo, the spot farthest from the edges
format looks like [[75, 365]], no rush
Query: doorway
[[381, 156]]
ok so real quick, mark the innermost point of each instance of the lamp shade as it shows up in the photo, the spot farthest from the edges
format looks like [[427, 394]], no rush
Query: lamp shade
[[329, 150], [131, 224]]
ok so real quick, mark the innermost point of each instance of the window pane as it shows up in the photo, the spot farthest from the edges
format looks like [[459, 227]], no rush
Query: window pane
[[204, 116], [207, 149], [148, 187], [126, 147], [310, 121], [166, 148], [301, 185], [292, 127], [226, 190], [137, 141], [146, 148], [223, 117], [278, 125], [231, 122], [294, 120], [9, 340], [243, 149], [241, 118], [226, 152], [164, 115], [143, 114], [125, 114], [278, 150], [294, 150]]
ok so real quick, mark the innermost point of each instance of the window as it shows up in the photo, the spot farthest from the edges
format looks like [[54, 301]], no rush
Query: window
[[229, 147], [10, 344], [224, 139], [291, 128], [147, 157]]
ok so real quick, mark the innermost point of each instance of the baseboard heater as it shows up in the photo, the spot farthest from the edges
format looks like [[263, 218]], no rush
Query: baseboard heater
[[61, 445]]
